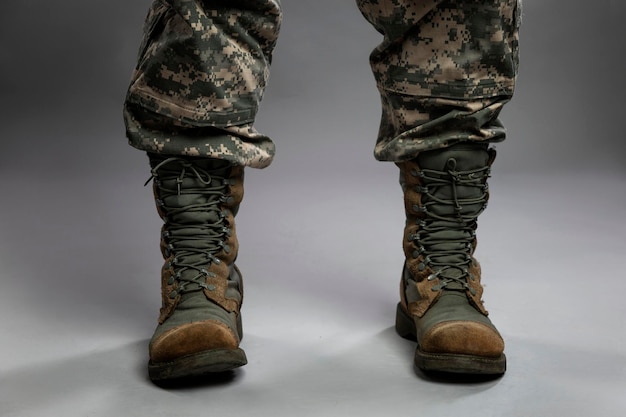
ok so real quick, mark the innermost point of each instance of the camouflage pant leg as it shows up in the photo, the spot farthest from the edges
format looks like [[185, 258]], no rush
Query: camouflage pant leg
[[444, 71], [200, 76]]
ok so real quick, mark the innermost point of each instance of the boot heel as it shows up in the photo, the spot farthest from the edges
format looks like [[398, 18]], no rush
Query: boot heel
[[405, 326]]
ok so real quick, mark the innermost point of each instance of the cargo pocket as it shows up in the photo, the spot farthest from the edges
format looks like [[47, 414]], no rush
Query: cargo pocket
[[198, 68]]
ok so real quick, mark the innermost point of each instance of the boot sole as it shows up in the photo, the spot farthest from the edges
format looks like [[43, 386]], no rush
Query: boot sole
[[446, 362], [203, 363]]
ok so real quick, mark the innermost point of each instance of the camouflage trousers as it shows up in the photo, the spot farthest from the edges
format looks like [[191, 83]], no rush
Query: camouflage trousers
[[444, 70]]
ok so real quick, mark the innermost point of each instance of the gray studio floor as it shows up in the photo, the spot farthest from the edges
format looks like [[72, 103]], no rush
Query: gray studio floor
[[80, 296]]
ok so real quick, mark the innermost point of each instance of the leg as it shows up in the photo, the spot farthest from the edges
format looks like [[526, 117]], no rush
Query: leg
[[444, 70], [200, 77], [191, 105]]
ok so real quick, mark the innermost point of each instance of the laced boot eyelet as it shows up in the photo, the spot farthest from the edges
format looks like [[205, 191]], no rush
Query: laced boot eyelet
[[227, 199], [417, 252], [225, 247]]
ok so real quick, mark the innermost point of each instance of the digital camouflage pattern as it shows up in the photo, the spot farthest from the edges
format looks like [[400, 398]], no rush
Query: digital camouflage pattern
[[444, 71], [200, 77]]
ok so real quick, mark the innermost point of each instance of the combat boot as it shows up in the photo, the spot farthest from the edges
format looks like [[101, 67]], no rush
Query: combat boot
[[199, 328], [441, 303]]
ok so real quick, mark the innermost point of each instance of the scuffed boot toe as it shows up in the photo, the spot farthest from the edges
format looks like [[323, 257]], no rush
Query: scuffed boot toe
[[194, 349], [463, 338], [461, 347]]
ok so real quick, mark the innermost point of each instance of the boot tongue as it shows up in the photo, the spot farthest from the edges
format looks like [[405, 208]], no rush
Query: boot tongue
[[192, 197], [450, 249], [467, 157], [197, 203], [194, 209], [454, 178], [197, 227], [442, 167]]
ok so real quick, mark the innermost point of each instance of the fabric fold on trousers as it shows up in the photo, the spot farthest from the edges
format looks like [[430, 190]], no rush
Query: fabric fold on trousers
[[444, 71], [201, 73]]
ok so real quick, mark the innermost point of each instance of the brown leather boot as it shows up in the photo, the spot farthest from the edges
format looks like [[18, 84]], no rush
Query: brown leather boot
[[441, 303], [199, 326]]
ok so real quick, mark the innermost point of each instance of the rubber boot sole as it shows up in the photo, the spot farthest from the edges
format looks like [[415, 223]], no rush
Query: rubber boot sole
[[203, 363], [446, 362]]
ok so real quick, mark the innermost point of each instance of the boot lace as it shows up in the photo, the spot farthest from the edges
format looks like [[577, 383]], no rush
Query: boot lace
[[447, 230], [194, 244]]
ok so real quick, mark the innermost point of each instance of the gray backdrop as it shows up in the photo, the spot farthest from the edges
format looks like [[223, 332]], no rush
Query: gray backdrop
[[320, 229]]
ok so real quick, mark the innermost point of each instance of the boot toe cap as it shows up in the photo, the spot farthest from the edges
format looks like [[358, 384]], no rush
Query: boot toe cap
[[463, 338], [192, 338]]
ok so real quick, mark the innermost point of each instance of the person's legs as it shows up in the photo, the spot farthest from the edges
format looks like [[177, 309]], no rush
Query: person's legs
[[191, 104], [444, 70], [200, 76]]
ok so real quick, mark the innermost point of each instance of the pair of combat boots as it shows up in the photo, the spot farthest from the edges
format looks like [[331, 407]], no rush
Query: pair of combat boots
[[199, 330]]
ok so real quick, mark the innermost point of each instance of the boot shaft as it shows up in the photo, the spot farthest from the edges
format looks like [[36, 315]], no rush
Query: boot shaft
[[198, 199], [444, 193]]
